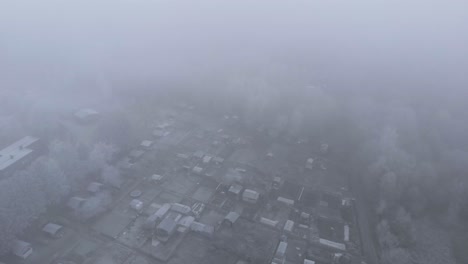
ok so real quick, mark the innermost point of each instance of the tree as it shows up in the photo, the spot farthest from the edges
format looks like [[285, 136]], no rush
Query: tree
[[51, 180], [20, 202], [402, 226], [101, 155], [68, 158], [387, 240], [94, 206], [111, 175], [395, 255]]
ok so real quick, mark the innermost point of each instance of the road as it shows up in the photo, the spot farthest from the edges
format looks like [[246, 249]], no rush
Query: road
[[368, 247]]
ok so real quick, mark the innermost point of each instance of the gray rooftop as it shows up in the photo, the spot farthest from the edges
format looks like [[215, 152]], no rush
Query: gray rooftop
[[16, 152]]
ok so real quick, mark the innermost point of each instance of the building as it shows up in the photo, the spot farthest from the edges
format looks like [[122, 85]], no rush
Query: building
[[181, 208], [53, 230], [94, 187], [309, 163], [135, 155], [136, 205], [250, 196], [167, 227], [75, 202], [202, 229], [235, 190], [268, 222], [288, 226], [21, 249], [146, 144], [86, 115], [18, 155], [230, 218]]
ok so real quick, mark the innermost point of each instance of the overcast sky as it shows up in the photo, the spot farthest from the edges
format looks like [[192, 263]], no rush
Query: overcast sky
[[360, 43]]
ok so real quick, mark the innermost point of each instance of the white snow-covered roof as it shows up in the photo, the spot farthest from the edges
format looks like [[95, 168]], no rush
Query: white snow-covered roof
[[52, 228]]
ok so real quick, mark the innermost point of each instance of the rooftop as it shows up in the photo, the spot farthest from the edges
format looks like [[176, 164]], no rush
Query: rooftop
[[16, 151]]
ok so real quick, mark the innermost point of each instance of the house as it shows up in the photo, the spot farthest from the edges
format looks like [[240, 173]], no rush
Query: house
[[280, 253], [230, 218], [218, 160], [94, 187], [165, 229], [324, 148], [185, 223], [197, 170], [75, 202], [182, 156], [160, 132], [197, 209], [21, 249], [309, 163], [268, 222], [332, 244], [285, 201], [157, 178], [235, 190], [288, 226], [146, 144], [250, 196], [276, 184], [159, 214], [181, 208], [308, 261], [53, 230], [207, 159], [86, 115], [18, 154], [202, 229], [136, 205], [135, 155], [199, 154]]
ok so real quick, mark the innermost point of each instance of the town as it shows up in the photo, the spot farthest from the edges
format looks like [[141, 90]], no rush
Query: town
[[196, 189]]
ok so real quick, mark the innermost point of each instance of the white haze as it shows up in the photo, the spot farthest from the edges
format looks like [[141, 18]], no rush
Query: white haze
[[348, 44]]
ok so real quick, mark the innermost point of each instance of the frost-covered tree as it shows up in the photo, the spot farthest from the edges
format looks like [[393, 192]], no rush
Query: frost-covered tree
[[101, 154], [111, 175]]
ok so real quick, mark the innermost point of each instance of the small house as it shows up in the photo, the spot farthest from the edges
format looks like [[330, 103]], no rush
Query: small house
[[135, 155], [86, 115], [285, 201], [218, 160], [199, 154], [235, 190], [185, 223], [146, 144], [166, 228], [53, 230], [207, 159], [94, 187], [230, 218], [75, 202], [309, 163], [197, 170], [250, 196], [281, 250], [288, 226], [21, 249], [268, 222], [136, 205], [181, 208], [202, 229], [156, 178]]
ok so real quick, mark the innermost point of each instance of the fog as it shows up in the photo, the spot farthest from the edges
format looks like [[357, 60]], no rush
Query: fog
[[384, 83], [348, 44]]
